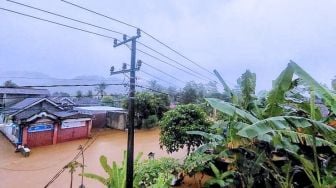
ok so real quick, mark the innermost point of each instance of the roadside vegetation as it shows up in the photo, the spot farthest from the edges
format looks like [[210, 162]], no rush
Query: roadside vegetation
[[282, 138]]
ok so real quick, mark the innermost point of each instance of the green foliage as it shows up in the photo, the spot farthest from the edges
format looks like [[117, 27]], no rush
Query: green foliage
[[192, 93], [231, 110], [100, 89], [154, 85], [116, 174], [284, 83], [247, 84], [79, 94], [10, 83], [175, 124], [107, 101], [196, 162], [277, 95], [89, 94], [147, 104], [279, 129], [221, 179], [162, 181], [156, 171], [151, 121], [276, 135], [328, 97]]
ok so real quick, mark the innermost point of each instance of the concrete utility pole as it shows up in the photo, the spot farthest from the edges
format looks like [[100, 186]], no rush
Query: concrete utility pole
[[131, 113]]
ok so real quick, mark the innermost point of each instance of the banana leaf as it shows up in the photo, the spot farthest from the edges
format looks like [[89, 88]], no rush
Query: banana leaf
[[287, 126], [231, 110], [277, 95], [328, 97]]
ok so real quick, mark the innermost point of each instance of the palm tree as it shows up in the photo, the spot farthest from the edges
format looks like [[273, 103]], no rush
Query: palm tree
[[101, 89], [72, 168]]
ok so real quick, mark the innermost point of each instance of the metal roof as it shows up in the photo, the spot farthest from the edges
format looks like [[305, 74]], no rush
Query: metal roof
[[27, 91]]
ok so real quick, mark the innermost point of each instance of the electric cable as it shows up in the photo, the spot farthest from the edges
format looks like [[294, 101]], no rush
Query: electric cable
[[146, 33]]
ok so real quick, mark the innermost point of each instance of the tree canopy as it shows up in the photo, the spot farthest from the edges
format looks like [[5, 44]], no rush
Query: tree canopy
[[175, 124], [10, 83]]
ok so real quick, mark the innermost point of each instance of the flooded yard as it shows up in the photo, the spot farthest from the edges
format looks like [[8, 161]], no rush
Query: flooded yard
[[44, 162]]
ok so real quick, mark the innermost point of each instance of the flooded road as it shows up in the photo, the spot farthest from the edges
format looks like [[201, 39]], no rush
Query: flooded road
[[44, 162]]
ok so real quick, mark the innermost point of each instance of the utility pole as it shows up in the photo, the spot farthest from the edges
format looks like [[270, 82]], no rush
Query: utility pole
[[131, 113]]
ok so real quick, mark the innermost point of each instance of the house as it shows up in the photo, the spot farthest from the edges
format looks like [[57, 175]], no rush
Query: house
[[65, 102], [10, 96], [39, 121], [105, 116]]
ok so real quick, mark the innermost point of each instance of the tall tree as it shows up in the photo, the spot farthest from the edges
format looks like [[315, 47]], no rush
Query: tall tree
[[154, 85], [172, 92], [192, 93], [79, 94], [10, 83], [247, 85], [89, 94], [101, 89]]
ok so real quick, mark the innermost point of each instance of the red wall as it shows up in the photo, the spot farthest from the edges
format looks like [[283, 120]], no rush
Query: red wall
[[40, 138], [72, 133], [57, 135]]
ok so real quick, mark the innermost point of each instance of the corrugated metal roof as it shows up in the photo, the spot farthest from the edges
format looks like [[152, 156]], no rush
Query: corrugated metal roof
[[28, 91]]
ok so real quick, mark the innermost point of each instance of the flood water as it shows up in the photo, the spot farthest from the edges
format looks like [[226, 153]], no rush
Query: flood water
[[44, 162]]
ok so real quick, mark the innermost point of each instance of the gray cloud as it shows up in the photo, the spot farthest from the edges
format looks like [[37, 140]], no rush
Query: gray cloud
[[231, 36]]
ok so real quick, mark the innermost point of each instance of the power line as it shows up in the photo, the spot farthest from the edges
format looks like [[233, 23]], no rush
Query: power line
[[57, 23], [59, 172], [149, 35], [61, 79], [154, 57], [158, 78], [66, 85], [107, 29], [152, 49], [99, 14], [98, 34], [163, 72], [66, 17], [165, 62], [150, 89], [159, 71]]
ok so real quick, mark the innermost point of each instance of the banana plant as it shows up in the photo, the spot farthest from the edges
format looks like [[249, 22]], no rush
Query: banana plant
[[222, 179], [116, 174]]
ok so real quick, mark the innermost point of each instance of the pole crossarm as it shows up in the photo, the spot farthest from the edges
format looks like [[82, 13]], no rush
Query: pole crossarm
[[131, 106], [116, 44]]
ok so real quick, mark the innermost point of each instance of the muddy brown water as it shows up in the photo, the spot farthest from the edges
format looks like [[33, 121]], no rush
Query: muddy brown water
[[44, 162]]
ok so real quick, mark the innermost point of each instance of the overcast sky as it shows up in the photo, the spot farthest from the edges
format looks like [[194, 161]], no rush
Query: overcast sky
[[228, 35]]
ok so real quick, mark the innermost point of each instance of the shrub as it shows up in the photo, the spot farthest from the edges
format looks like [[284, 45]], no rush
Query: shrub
[[148, 172], [151, 121], [176, 123]]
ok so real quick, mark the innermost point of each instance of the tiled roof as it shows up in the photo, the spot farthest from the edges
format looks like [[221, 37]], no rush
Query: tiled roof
[[24, 103]]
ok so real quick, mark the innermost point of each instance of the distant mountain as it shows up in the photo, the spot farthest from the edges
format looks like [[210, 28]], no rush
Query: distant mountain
[[24, 78]]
